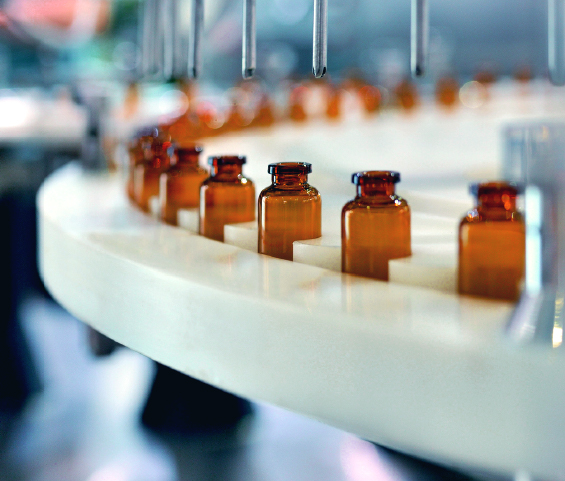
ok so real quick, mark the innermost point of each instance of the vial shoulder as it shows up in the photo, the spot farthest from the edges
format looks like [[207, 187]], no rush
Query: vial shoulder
[[478, 216], [304, 191], [376, 204]]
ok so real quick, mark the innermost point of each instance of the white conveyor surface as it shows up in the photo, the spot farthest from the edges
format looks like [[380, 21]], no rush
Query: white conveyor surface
[[421, 371]]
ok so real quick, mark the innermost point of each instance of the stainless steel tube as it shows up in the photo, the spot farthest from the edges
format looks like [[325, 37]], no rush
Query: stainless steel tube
[[249, 46], [147, 42], [419, 37], [180, 53], [167, 37], [556, 41], [195, 41], [320, 47]]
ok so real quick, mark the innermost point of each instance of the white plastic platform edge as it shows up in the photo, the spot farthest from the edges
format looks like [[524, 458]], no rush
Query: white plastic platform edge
[[413, 369]]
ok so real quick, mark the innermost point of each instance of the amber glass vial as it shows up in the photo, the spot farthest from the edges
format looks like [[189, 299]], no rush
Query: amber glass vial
[[406, 95], [370, 98], [226, 197], [297, 98], [375, 226], [492, 243], [447, 91], [180, 184], [289, 210], [265, 116], [146, 174], [139, 151], [333, 103]]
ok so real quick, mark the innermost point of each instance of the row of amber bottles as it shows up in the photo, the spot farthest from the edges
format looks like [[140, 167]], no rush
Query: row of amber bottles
[[375, 225], [205, 121], [491, 263]]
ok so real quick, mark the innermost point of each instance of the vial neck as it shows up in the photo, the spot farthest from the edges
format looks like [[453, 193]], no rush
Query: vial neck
[[160, 158], [227, 171], [375, 189], [186, 158], [289, 179], [496, 203]]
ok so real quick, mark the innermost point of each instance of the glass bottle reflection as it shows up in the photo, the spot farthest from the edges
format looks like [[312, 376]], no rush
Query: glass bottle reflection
[[146, 174], [290, 209], [375, 226], [492, 243], [226, 197], [180, 184]]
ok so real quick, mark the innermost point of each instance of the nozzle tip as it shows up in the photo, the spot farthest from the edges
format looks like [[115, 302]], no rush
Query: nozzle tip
[[319, 72]]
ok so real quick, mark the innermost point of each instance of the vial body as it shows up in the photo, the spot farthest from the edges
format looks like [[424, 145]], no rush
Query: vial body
[[375, 226], [226, 197], [180, 184], [139, 152], [333, 103], [185, 129], [370, 98], [447, 92], [289, 210], [146, 175], [265, 116], [297, 98], [492, 244], [406, 95]]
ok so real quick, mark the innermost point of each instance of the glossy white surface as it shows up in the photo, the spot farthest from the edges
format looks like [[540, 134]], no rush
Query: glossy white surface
[[418, 370], [188, 219]]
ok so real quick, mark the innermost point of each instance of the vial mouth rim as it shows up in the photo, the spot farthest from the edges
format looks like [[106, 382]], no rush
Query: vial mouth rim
[[290, 168], [498, 186], [372, 176], [193, 149], [227, 160]]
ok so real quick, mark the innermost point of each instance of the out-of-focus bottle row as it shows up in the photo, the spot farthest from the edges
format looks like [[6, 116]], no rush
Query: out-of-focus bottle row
[[375, 225], [252, 105]]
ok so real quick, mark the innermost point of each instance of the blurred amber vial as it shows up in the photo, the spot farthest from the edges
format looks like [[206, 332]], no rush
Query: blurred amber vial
[[492, 243], [375, 226], [146, 175], [139, 151], [523, 74], [226, 197], [296, 110], [265, 116], [185, 129], [290, 209], [370, 98], [485, 77], [180, 184], [406, 95], [333, 103], [236, 119], [447, 91]]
